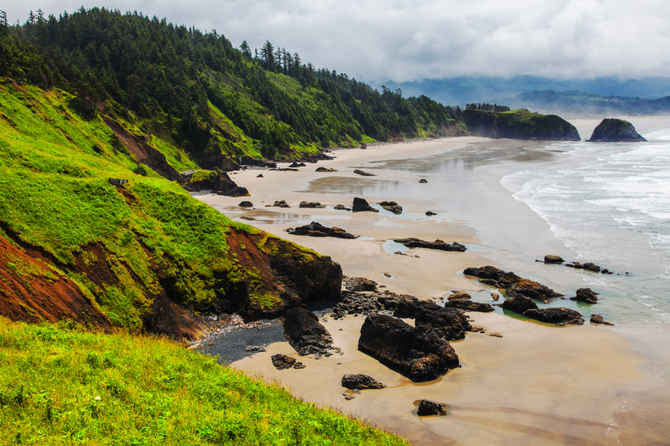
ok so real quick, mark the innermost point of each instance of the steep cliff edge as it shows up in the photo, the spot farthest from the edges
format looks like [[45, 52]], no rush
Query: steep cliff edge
[[615, 130], [519, 124]]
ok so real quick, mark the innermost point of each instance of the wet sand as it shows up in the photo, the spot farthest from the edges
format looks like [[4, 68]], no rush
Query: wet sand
[[536, 385]]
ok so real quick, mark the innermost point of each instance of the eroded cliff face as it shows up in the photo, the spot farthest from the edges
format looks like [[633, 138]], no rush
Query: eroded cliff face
[[267, 276], [519, 124]]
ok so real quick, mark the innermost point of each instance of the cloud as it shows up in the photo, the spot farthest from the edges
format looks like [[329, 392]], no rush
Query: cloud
[[407, 40]]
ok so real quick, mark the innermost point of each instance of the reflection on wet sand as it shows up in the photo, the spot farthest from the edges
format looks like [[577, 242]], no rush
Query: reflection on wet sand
[[350, 186], [470, 157]]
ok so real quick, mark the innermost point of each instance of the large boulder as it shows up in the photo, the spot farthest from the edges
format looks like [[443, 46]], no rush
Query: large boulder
[[427, 408], [553, 259], [586, 295], [361, 205], [304, 332], [519, 304], [391, 206], [560, 316], [615, 130], [408, 308], [418, 353], [451, 322], [360, 284]]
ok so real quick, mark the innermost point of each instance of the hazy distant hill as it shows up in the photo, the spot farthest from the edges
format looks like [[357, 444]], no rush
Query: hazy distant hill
[[584, 104], [462, 90]]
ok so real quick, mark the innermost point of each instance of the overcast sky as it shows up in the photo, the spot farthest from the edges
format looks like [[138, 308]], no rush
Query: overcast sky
[[405, 40]]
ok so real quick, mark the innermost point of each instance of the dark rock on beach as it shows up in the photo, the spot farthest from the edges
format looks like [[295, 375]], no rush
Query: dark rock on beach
[[310, 204], [428, 408], [588, 266], [360, 284], [282, 362], [430, 213], [615, 130], [519, 304], [418, 353], [324, 169], [281, 204], [246, 204], [341, 207], [559, 316], [367, 303], [456, 295], [553, 259], [360, 381], [296, 164], [391, 206], [598, 319], [365, 174], [316, 229], [235, 192], [437, 244], [586, 295], [305, 333], [361, 205], [423, 181]]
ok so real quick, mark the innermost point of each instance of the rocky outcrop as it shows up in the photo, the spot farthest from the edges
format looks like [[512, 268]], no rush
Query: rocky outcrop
[[553, 259], [361, 205], [418, 353], [615, 130], [437, 244], [515, 285], [323, 169], [235, 192], [365, 174], [391, 206], [587, 266], [316, 229], [428, 408], [304, 332], [361, 382], [519, 304], [586, 295], [366, 303], [458, 295], [559, 316], [519, 124], [360, 284]]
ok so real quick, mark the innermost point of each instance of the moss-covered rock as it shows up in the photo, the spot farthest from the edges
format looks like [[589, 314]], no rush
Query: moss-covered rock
[[615, 130], [519, 124]]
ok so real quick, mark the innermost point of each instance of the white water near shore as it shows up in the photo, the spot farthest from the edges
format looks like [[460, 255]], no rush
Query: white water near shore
[[511, 202]]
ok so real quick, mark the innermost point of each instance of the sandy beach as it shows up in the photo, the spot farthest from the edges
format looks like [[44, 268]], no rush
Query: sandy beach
[[536, 385]]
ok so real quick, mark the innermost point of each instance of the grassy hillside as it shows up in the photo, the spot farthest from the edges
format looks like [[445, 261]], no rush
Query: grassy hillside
[[126, 246], [61, 385]]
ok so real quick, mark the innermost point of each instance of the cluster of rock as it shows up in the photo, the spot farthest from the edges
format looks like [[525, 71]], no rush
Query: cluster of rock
[[552, 259], [586, 295], [428, 408], [412, 242], [513, 284], [525, 306], [316, 229], [283, 362], [281, 204]]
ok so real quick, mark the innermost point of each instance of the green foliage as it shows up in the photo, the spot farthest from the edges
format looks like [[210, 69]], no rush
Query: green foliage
[[62, 385], [203, 95]]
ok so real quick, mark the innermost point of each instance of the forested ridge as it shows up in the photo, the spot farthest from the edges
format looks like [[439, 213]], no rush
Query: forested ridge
[[202, 94]]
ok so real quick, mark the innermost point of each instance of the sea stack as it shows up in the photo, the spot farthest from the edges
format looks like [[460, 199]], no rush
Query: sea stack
[[615, 130]]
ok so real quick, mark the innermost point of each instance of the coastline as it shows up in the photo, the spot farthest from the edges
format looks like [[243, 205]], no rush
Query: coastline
[[536, 385]]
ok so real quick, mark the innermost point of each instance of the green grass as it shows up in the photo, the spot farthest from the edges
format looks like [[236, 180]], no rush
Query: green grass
[[66, 386]]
